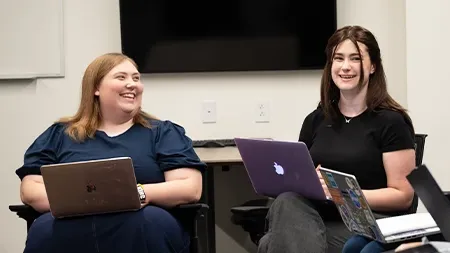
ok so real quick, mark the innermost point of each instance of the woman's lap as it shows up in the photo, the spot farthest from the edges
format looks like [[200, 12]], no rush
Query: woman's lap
[[363, 245], [151, 228], [300, 225]]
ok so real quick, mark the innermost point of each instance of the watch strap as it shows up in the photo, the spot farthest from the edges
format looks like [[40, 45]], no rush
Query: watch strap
[[141, 193]]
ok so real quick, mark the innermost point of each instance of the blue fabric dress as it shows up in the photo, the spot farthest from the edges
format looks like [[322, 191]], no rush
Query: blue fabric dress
[[152, 229]]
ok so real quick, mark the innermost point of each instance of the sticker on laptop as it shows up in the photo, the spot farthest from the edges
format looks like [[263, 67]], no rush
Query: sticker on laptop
[[354, 198], [336, 196], [357, 192], [349, 183], [331, 180], [362, 203], [345, 216], [369, 217], [353, 226]]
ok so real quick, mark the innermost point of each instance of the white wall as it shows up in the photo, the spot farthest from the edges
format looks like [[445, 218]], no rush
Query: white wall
[[92, 28], [428, 37]]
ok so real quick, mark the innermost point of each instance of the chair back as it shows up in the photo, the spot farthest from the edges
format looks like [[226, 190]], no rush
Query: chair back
[[419, 147]]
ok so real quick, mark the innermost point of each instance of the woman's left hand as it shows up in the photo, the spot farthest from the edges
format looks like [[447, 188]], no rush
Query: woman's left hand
[[324, 185]]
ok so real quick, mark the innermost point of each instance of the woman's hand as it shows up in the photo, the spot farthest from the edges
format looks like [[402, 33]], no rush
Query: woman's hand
[[406, 246], [324, 185]]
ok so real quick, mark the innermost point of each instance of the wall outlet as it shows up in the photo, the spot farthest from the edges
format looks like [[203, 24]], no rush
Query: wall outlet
[[262, 112], [209, 111]]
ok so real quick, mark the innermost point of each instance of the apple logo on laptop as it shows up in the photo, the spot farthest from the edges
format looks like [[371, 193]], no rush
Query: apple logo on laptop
[[91, 188], [278, 168]]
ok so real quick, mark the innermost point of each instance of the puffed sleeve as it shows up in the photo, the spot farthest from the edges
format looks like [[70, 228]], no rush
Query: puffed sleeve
[[174, 149], [42, 151], [397, 134]]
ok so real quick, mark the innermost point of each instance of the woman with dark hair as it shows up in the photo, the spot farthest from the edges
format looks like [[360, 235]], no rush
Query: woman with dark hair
[[359, 129]]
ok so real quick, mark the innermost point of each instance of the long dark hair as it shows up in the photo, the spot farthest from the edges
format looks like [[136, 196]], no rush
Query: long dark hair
[[377, 95]]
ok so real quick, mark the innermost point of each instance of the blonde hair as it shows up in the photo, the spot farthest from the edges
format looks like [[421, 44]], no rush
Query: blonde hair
[[87, 120]]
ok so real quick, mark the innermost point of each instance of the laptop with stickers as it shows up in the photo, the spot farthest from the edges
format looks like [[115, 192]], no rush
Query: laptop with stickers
[[359, 218]]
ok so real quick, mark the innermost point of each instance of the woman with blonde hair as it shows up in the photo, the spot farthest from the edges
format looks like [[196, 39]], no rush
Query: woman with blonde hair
[[110, 123]]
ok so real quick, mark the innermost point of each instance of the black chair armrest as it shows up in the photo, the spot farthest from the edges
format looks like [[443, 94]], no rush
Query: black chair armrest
[[251, 219], [195, 210], [194, 207], [255, 207], [249, 210], [25, 212], [19, 208], [193, 216]]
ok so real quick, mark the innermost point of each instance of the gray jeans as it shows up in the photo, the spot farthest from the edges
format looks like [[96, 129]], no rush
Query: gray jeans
[[296, 224]]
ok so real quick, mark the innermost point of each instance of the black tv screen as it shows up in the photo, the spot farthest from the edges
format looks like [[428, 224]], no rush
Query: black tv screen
[[165, 36]]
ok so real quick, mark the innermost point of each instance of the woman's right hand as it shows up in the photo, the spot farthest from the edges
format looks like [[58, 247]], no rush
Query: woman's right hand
[[324, 185]]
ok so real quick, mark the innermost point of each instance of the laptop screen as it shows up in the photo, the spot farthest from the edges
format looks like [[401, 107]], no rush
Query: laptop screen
[[432, 197]]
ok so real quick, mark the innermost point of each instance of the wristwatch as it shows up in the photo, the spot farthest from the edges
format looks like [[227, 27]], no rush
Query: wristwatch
[[141, 193]]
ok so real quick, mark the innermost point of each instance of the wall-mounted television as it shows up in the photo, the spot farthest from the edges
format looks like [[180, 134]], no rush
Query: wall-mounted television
[[167, 36]]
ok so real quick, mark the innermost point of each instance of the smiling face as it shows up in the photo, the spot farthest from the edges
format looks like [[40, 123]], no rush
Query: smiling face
[[120, 91], [346, 66]]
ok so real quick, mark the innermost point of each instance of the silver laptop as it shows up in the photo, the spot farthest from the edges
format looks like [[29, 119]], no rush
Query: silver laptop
[[91, 187], [359, 218], [275, 167]]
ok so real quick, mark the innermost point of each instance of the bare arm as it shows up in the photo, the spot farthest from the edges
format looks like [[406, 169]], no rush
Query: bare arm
[[399, 193], [182, 186], [32, 193]]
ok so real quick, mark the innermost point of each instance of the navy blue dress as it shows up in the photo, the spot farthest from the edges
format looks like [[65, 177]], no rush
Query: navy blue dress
[[152, 229]]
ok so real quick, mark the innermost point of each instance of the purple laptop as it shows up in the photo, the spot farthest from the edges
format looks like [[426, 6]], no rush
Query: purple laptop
[[275, 167]]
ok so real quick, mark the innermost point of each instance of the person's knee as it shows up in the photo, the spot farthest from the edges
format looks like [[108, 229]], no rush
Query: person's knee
[[293, 202], [160, 220], [354, 244], [40, 232], [263, 244], [42, 225], [287, 197], [373, 247]]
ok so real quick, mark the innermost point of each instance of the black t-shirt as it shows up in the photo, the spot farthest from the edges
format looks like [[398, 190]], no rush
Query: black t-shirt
[[357, 147]]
